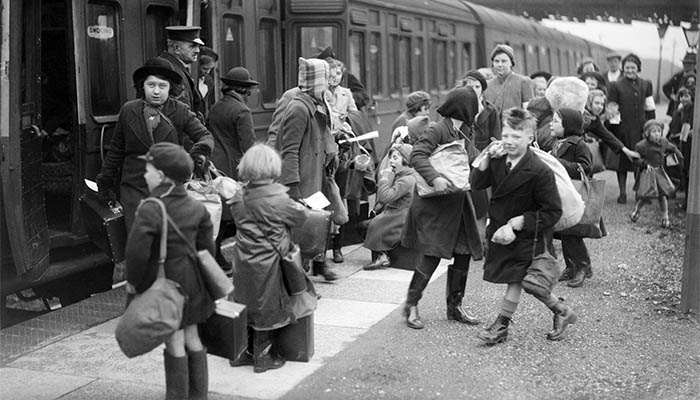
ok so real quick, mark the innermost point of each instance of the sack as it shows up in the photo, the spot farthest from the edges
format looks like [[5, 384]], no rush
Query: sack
[[206, 193], [647, 188], [593, 193], [340, 210], [225, 333], [451, 161], [293, 271], [542, 274], [571, 202], [314, 234], [154, 315], [598, 158], [216, 281]]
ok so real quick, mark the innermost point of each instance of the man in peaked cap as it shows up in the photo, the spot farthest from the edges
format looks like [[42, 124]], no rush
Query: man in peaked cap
[[614, 60], [671, 87], [183, 50]]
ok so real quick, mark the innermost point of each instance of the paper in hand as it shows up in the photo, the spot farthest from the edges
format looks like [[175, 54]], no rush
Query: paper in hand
[[317, 201]]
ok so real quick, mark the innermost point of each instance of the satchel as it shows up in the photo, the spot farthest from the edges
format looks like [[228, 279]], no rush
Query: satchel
[[154, 315], [218, 284], [593, 193], [451, 161], [598, 159], [542, 273]]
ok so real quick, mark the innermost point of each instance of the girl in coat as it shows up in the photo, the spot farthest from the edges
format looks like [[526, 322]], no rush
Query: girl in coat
[[654, 148], [594, 124], [167, 167], [264, 213], [443, 226], [525, 203], [394, 192], [572, 153]]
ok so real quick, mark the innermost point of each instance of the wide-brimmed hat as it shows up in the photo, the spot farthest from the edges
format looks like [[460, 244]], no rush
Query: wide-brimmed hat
[[238, 76], [159, 67], [184, 34]]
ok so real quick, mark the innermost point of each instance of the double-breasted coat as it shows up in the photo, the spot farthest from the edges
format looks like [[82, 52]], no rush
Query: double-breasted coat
[[143, 248], [231, 124], [528, 190], [263, 215], [303, 141], [395, 191], [439, 226], [131, 139], [630, 95], [187, 92]]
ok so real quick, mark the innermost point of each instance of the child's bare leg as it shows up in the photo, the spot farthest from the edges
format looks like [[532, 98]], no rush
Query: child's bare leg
[[663, 206]]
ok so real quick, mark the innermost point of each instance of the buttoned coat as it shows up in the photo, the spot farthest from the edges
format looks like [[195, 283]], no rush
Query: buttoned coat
[[143, 249], [301, 141], [572, 152], [395, 191], [528, 190], [231, 124], [433, 224], [131, 140], [630, 96], [187, 92], [263, 215]]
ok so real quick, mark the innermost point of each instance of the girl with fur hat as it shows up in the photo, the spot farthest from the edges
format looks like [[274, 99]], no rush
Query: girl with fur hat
[[443, 226], [572, 153], [394, 193], [653, 149]]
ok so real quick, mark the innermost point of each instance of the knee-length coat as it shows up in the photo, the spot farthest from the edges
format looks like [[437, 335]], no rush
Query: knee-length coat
[[131, 139], [263, 215], [395, 192], [630, 96], [529, 190], [143, 247], [434, 224]]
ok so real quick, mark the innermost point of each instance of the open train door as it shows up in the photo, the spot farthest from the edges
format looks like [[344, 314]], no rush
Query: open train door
[[20, 116]]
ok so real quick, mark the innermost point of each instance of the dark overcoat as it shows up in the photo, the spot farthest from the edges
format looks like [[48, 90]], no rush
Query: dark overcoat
[[143, 247], [487, 126], [231, 124], [131, 140], [263, 215], [572, 152], [528, 190], [187, 92], [395, 192], [630, 96], [301, 141], [595, 127], [438, 225]]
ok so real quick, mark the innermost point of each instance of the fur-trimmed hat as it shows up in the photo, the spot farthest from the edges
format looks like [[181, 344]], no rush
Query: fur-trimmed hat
[[505, 49]]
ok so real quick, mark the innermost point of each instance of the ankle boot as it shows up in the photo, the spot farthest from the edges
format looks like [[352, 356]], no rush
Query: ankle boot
[[456, 282], [415, 292], [497, 332], [263, 358], [589, 272], [411, 317], [176, 377], [321, 268], [199, 374], [563, 317], [566, 274], [337, 249], [578, 278]]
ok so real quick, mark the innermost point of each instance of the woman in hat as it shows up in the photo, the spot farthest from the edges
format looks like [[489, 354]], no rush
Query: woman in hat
[[151, 118], [231, 124], [394, 192], [507, 89], [443, 226], [633, 97]]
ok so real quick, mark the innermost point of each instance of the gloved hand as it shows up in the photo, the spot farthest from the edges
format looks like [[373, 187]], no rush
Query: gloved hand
[[105, 189], [294, 191], [343, 146], [201, 165], [107, 195]]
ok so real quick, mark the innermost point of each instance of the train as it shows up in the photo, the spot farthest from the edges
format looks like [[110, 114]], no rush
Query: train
[[65, 71]]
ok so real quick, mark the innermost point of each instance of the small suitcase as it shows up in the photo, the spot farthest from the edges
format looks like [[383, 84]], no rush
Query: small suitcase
[[314, 234], [225, 334], [295, 342], [104, 225]]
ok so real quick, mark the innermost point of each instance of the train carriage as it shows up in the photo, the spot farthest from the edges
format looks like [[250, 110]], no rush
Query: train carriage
[[65, 71]]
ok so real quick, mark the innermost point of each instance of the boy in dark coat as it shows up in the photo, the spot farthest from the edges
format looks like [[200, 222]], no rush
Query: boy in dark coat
[[525, 202], [167, 168]]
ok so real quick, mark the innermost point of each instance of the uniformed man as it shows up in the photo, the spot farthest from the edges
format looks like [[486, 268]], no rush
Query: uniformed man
[[183, 50]]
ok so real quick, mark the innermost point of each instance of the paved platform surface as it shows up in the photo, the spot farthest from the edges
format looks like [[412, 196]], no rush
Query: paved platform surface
[[72, 354]]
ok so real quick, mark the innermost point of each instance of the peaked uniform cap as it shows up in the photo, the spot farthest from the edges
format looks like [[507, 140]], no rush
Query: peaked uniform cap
[[184, 34]]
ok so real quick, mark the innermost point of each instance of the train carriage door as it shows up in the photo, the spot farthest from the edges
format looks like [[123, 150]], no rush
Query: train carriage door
[[22, 189]]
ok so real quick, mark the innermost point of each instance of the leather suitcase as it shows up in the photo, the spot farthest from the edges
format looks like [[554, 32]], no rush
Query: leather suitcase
[[314, 234], [104, 225], [225, 334], [295, 342]]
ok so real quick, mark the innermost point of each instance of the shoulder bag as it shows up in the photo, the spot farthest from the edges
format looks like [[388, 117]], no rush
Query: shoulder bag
[[543, 272], [154, 315], [593, 193]]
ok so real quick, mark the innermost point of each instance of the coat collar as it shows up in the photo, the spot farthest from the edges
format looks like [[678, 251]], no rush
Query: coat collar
[[168, 190], [232, 95], [163, 131], [569, 141], [256, 192], [518, 176]]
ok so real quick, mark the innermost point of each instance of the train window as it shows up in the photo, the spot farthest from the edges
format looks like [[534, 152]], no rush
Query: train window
[[520, 59], [375, 64], [374, 17], [419, 75], [268, 62], [419, 24], [103, 51], [399, 64], [316, 38], [438, 68], [233, 39], [466, 58], [451, 69], [357, 55], [393, 21], [157, 18]]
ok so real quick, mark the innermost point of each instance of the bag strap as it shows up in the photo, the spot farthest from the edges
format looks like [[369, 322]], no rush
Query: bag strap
[[163, 251]]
